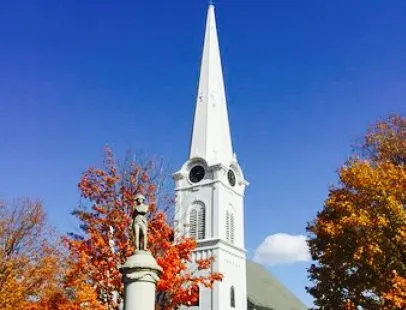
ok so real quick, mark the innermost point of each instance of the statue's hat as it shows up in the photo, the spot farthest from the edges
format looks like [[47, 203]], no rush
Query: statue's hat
[[139, 196]]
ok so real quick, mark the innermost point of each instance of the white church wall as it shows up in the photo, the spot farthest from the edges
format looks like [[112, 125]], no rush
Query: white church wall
[[232, 266]]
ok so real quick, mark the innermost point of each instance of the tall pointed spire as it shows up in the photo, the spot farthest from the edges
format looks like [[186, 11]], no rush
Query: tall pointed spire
[[211, 137]]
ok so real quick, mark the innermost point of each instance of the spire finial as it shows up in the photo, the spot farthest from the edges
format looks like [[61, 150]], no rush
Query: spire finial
[[211, 2]]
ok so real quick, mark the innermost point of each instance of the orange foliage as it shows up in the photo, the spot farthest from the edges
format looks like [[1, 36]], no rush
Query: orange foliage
[[29, 261], [107, 241], [358, 239], [33, 266]]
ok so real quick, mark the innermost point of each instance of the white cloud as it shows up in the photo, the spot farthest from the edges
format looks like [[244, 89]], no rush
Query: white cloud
[[281, 249]]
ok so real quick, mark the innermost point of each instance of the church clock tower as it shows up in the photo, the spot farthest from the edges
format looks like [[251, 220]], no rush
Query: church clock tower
[[210, 186]]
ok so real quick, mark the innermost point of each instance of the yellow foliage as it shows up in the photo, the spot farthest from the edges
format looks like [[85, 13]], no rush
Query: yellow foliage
[[27, 260], [33, 269], [358, 239]]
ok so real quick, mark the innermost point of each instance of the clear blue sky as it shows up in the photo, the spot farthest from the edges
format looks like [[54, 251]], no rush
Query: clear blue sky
[[304, 79]]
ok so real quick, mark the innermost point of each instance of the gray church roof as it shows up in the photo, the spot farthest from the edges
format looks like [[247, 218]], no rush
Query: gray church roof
[[265, 292]]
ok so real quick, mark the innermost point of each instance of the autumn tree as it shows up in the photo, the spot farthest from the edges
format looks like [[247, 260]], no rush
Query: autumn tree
[[358, 240], [29, 257], [106, 241]]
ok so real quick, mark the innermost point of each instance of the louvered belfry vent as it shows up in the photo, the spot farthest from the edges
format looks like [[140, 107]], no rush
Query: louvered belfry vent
[[230, 227], [232, 231], [192, 223], [201, 220], [197, 222]]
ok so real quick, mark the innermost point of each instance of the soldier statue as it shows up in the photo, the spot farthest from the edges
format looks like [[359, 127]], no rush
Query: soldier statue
[[140, 223]]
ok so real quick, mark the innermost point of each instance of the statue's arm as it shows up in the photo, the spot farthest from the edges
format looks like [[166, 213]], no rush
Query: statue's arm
[[133, 215]]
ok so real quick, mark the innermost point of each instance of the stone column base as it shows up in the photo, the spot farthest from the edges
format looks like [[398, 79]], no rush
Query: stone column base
[[140, 275]]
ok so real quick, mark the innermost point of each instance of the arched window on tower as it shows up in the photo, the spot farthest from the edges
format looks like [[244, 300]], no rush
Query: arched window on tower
[[232, 297], [196, 289], [197, 221]]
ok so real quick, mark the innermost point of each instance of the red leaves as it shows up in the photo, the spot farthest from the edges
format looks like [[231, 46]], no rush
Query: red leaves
[[107, 239]]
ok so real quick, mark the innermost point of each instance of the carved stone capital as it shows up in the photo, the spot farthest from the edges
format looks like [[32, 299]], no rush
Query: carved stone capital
[[141, 266]]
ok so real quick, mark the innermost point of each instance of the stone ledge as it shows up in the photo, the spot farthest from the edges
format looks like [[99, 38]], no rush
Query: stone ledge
[[140, 261]]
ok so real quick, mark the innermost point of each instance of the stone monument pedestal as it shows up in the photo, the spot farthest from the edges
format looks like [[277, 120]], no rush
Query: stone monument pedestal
[[140, 275]]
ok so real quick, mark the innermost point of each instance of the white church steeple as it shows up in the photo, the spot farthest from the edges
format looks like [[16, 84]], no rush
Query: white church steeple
[[211, 137], [210, 187]]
